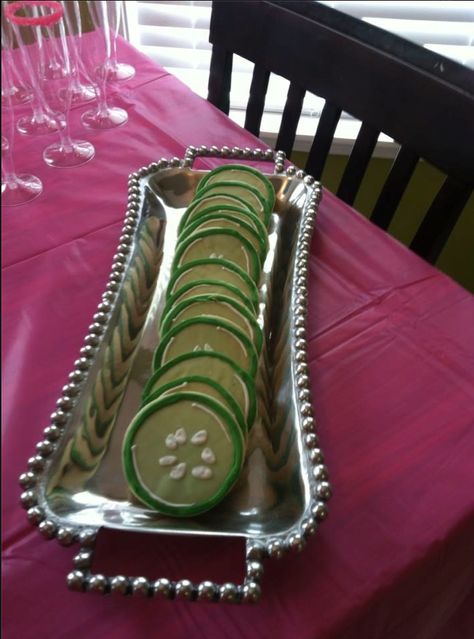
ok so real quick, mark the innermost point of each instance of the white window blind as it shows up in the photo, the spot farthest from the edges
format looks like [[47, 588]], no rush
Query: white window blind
[[175, 34]]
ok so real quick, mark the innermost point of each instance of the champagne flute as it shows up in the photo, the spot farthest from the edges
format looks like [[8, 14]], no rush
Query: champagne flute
[[18, 94], [116, 71], [16, 188], [103, 116], [80, 92], [41, 121]]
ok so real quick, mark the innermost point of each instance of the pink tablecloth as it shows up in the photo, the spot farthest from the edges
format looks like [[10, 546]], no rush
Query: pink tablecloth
[[392, 372]]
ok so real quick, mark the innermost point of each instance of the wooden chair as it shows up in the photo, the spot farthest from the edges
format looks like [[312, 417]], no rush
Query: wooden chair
[[422, 100]]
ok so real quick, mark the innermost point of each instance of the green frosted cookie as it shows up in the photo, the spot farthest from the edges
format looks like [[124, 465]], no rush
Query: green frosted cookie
[[182, 454], [220, 200], [213, 269], [236, 211], [214, 305], [207, 287], [246, 192], [220, 368], [240, 173], [225, 244], [207, 334], [232, 219], [205, 386]]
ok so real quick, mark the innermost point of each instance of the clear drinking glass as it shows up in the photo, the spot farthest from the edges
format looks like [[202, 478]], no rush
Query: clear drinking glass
[[81, 92], [50, 61], [116, 71], [18, 93], [95, 55], [41, 120], [44, 30], [16, 188]]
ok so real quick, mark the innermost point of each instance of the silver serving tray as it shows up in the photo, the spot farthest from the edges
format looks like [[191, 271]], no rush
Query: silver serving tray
[[281, 495]]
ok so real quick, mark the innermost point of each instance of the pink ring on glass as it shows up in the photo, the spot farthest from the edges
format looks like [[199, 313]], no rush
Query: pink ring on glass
[[39, 21]]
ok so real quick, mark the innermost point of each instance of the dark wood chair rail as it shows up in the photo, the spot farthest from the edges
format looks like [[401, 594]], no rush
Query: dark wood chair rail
[[424, 101]]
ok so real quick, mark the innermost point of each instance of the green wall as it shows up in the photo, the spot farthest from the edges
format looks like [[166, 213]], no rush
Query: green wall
[[457, 259]]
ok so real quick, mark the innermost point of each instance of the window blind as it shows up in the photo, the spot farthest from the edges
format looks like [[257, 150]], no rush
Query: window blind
[[174, 33]]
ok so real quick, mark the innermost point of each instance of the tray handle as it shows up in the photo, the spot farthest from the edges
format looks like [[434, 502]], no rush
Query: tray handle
[[237, 153], [81, 579]]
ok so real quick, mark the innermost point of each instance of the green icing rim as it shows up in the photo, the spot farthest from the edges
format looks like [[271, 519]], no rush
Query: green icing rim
[[129, 466], [244, 376], [240, 204], [219, 214], [255, 264], [231, 266], [268, 186], [250, 304], [214, 297], [250, 348], [227, 397], [218, 188]]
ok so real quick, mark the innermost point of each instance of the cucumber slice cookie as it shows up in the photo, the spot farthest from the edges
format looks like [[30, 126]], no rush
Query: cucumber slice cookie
[[204, 386], [213, 269], [231, 219], [209, 287], [182, 454], [217, 366], [219, 306], [207, 334], [218, 201], [221, 243], [250, 194]]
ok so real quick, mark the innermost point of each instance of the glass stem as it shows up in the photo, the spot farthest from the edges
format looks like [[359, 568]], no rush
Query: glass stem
[[102, 93], [8, 169], [113, 48]]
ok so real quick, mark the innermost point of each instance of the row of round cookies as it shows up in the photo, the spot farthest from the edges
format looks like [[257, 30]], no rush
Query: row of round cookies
[[185, 448]]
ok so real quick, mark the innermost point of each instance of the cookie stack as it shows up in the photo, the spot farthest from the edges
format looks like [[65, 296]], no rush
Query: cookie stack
[[185, 448]]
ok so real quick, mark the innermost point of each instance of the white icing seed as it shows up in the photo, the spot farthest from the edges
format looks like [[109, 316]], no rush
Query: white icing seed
[[208, 347], [179, 471], [201, 472], [197, 348], [168, 460], [180, 436], [170, 442], [208, 456], [199, 438]]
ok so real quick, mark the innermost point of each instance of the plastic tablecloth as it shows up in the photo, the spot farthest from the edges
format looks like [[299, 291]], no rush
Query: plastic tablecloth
[[391, 354]]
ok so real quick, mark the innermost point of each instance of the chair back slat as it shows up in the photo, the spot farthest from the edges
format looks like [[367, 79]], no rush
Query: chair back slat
[[322, 141], [290, 118], [220, 77], [256, 103], [357, 164], [440, 219], [392, 191]]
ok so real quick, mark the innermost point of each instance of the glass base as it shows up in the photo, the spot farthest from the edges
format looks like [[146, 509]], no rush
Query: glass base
[[104, 118], [80, 94], [23, 188], [120, 72], [17, 95], [64, 156], [31, 125]]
